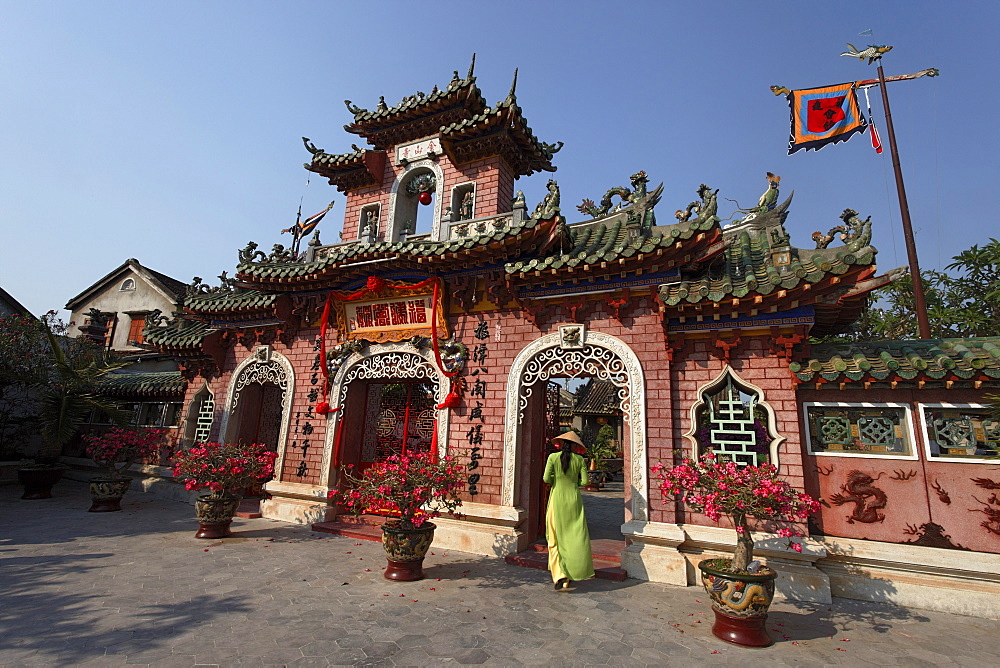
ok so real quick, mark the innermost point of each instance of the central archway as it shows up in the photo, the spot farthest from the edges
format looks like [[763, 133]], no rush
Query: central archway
[[597, 354]]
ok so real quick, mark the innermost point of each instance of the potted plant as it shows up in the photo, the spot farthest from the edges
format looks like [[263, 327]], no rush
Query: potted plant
[[223, 468], [741, 589], [115, 451], [58, 376], [596, 453], [413, 488]]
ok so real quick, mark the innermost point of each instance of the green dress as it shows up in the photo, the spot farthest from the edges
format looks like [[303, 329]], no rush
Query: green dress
[[565, 524]]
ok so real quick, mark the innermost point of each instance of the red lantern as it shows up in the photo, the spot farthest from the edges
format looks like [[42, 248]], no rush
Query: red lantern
[[424, 198]]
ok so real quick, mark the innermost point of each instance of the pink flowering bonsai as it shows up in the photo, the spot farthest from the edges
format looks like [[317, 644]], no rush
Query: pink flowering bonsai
[[716, 488], [118, 448], [224, 468], [415, 487]]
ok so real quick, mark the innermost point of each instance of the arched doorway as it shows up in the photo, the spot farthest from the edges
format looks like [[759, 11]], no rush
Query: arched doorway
[[259, 401], [573, 352], [387, 399]]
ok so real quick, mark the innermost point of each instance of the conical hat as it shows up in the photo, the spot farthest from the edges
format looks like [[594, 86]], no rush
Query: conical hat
[[570, 436]]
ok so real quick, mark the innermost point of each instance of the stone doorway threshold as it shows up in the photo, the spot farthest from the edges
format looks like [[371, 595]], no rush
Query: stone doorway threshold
[[606, 553]]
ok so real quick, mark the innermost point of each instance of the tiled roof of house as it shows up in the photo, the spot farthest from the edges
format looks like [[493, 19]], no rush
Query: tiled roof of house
[[179, 334], [600, 398], [244, 300], [406, 252], [161, 383], [931, 359], [750, 268], [594, 244]]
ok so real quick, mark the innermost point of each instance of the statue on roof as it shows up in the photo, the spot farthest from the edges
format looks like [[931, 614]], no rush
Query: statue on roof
[[855, 233], [251, 254], [549, 150], [636, 198], [706, 208], [311, 147], [382, 106], [549, 206], [770, 197], [353, 108]]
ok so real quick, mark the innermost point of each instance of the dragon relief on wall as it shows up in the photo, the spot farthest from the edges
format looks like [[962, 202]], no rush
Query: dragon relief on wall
[[991, 506], [868, 500]]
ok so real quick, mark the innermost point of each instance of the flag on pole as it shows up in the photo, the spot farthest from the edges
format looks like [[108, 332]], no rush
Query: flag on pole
[[821, 116], [304, 227]]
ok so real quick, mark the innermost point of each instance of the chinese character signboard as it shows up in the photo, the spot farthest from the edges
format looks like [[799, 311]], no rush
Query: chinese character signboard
[[405, 314]]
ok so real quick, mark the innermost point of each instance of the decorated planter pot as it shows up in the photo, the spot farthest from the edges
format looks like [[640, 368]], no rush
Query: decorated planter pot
[[38, 482], [107, 494], [740, 602], [215, 514], [405, 548]]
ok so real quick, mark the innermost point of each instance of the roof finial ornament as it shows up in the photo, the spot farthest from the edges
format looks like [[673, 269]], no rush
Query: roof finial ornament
[[382, 106], [513, 86], [472, 67], [311, 147], [353, 108]]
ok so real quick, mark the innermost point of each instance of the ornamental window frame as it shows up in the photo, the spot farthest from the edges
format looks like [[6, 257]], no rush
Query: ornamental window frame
[[909, 433], [128, 285], [728, 374], [379, 223], [925, 432], [458, 192]]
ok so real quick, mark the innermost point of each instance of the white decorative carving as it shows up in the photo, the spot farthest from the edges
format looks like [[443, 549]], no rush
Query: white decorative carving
[[605, 357], [393, 226], [385, 361], [277, 370]]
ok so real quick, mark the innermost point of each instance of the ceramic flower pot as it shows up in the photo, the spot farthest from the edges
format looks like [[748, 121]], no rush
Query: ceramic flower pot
[[740, 603], [106, 494], [405, 548], [38, 482], [215, 513]]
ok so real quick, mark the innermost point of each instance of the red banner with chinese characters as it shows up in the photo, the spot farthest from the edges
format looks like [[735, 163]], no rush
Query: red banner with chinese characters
[[392, 312]]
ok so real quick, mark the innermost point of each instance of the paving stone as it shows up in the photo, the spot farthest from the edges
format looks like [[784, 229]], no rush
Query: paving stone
[[140, 589]]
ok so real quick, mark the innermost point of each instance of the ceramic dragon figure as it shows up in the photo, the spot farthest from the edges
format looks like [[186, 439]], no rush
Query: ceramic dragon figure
[[634, 198]]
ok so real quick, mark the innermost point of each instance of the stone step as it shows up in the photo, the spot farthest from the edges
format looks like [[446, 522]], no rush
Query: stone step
[[603, 569], [363, 527], [249, 509], [604, 549]]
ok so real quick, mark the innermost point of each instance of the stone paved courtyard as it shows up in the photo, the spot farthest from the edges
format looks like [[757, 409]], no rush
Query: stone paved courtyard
[[136, 588]]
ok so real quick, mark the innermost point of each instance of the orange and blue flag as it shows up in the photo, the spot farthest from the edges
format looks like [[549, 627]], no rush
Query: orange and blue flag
[[822, 116], [304, 227]]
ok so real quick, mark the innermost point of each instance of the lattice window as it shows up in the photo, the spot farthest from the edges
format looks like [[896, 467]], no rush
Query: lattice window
[[961, 431], [204, 417], [855, 429], [732, 421]]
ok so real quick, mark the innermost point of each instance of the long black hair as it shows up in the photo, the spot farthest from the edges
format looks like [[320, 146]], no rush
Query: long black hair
[[567, 454]]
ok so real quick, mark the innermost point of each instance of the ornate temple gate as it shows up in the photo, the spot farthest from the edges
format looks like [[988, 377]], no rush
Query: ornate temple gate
[[582, 353], [258, 403], [387, 403]]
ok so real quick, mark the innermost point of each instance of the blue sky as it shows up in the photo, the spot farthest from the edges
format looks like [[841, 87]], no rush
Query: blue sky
[[169, 132]]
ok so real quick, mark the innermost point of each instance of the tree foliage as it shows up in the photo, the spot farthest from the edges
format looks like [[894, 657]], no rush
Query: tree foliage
[[961, 303]]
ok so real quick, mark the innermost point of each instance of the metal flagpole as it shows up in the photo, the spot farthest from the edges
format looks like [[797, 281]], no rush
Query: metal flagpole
[[919, 303]]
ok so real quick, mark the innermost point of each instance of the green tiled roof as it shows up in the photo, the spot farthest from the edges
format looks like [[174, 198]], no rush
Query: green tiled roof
[[360, 252], [177, 334], [593, 244], [146, 384], [750, 268], [935, 359], [417, 104], [230, 301]]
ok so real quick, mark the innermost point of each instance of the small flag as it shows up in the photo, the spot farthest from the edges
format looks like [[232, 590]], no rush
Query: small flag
[[821, 116], [876, 141], [302, 228]]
